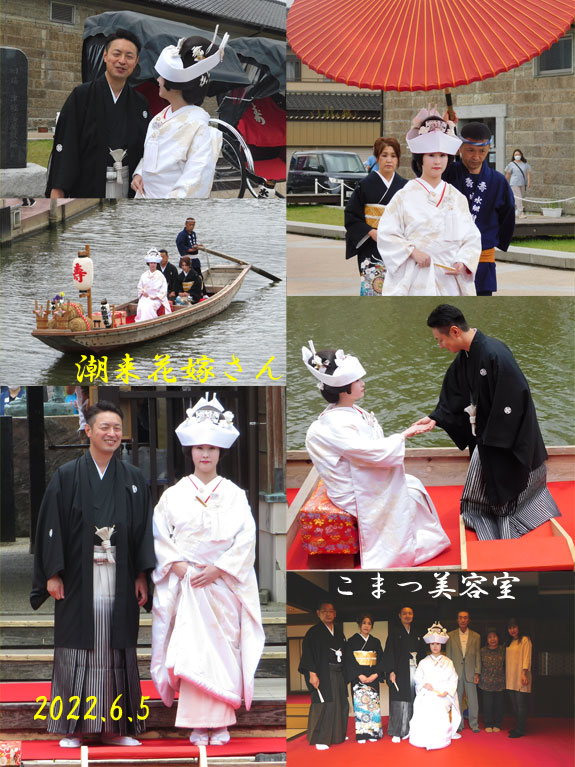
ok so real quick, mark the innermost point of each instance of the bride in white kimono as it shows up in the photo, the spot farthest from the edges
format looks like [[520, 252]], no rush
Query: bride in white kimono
[[363, 470], [152, 289], [436, 715], [428, 235], [207, 635], [181, 148]]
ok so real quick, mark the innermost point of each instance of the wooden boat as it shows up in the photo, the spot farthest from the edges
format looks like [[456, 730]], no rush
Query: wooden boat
[[546, 548], [222, 283]]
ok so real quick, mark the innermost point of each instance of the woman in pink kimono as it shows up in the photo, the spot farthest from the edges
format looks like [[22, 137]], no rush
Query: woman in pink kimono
[[152, 289], [207, 636], [363, 470]]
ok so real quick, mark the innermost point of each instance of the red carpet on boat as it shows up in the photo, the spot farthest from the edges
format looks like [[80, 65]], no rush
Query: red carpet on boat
[[538, 550], [549, 743], [152, 749]]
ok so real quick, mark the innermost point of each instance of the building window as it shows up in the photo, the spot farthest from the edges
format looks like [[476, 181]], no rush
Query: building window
[[62, 14], [293, 69], [558, 60]]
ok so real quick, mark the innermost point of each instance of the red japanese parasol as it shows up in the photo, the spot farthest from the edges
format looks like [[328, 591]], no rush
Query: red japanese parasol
[[412, 45]]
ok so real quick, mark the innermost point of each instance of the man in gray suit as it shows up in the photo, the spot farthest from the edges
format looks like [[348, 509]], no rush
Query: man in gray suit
[[464, 649]]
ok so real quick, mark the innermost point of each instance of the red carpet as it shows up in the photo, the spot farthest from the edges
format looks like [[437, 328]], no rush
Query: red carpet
[[153, 749], [548, 744], [538, 550], [26, 692]]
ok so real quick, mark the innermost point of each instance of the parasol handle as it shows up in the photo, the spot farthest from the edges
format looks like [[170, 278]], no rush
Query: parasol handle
[[449, 102]]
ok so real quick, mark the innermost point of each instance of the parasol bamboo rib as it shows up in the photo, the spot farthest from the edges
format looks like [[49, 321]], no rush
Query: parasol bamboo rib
[[410, 45], [253, 268]]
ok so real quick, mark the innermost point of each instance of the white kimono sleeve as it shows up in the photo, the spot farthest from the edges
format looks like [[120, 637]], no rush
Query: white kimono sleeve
[[469, 248], [349, 443], [238, 560], [198, 173], [166, 550], [394, 248]]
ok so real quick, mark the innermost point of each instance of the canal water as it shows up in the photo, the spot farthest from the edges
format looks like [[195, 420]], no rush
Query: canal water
[[405, 367], [119, 235]]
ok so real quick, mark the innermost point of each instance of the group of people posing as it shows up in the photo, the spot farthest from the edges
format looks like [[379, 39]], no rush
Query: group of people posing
[[426, 691], [98, 549], [485, 405], [108, 144], [161, 285], [435, 234]]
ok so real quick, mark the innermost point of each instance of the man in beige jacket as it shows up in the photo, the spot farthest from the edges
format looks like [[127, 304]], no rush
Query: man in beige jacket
[[464, 649]]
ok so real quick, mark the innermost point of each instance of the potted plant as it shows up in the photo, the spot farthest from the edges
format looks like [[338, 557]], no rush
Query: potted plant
[[552, 210]]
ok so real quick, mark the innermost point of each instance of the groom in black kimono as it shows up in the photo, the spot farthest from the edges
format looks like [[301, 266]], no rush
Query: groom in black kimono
[[486, 405], [322, 666], [94, 549], [99, 116]]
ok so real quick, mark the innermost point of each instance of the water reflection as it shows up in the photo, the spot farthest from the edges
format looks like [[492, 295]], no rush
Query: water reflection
[[252, 328], [405, 368]]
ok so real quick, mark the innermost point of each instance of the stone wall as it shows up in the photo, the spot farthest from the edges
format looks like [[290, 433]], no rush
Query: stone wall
[[60, 430], [54, 50]]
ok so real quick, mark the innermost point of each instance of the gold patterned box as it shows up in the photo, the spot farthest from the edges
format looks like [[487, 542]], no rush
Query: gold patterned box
[[325, 529]]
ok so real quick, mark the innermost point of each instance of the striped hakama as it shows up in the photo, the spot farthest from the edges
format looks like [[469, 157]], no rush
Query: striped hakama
[[94, 679], [531, 508], [327, 722]]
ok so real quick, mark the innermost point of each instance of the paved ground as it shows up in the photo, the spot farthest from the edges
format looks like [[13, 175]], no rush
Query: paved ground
[[317, 267]]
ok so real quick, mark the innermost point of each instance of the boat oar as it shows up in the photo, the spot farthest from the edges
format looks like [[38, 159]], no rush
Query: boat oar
[[242, 263]]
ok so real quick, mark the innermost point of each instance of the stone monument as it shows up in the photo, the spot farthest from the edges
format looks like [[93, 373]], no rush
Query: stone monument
[[17, 177]]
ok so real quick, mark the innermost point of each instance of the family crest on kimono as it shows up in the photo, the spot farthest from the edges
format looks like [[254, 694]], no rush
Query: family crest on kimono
[[94, 552], [436, 714], [181, 148], [100, 132], [363, 210], [363, 470], [322, 666], [404, 649], [489, 198], [207, 634], [427, 236], [365, 671], [486, 405], [152, 289]]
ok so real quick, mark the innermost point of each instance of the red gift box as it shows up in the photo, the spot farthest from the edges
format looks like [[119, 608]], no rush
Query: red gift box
[[326, 529]]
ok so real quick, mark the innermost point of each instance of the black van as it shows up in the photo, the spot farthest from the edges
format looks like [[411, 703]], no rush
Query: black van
[[329, 168]]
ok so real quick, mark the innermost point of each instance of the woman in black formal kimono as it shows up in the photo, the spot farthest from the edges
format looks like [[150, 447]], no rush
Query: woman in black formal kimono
[[376, 189], [364, 670], [404, 649]]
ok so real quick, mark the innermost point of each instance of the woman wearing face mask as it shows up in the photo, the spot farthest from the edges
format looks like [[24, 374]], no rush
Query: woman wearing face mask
[[518, 173], [427, 236], [492, 681]]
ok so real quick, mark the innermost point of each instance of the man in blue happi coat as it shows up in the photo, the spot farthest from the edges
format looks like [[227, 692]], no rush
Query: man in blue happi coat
[[490, 200]]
